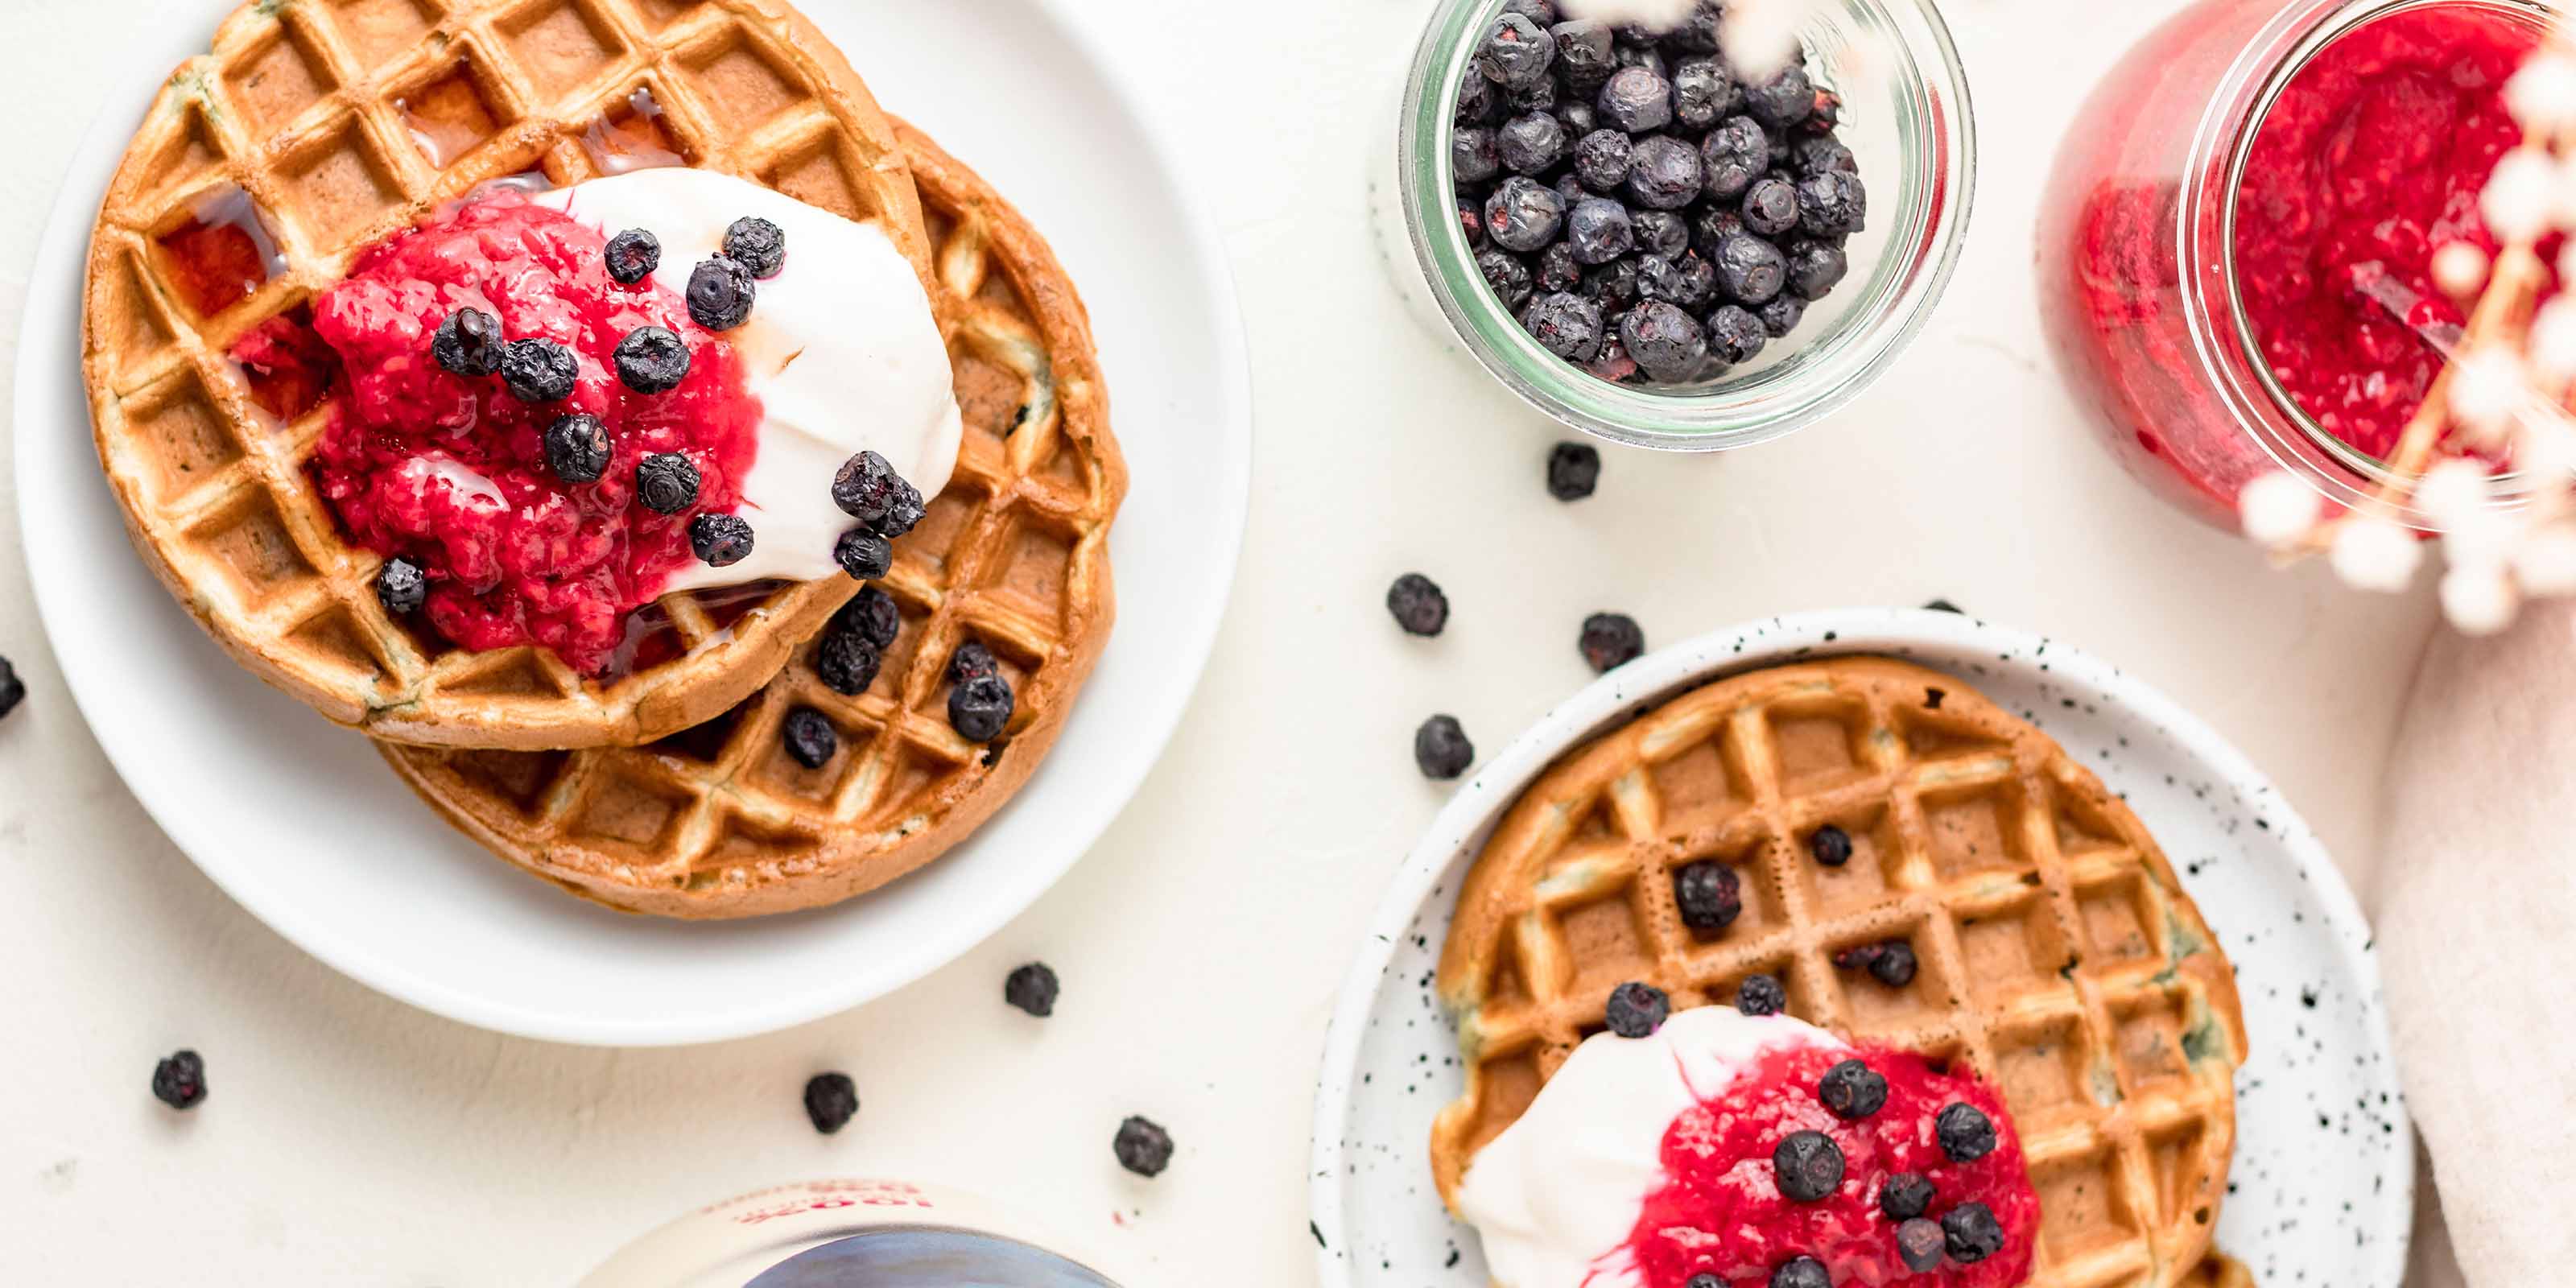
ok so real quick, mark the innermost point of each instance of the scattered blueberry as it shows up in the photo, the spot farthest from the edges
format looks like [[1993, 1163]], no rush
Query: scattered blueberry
[[1703, 93], [867, 489], [1471, 221], [1542, 12], [1733, 156], [980, 708], [1771, 206], [1830, 845], [468, 343], [1851, 1089], [401, 587], [539, 370], [1143, 1147], [720, 540], [1970, 1233], [1685, 280], [651, 360], [1736, 335], [863, 554], [1602, 158], [1782, 315], [1557, 269], [1523, 214], [1965, 1133], [1614, 286], [1814, 268], [179, 1080], [1808, 1166], [1801, 1272], [1665, 173], [1541, 97], [1611, 640], [1920, 1243], [1711, 226], [1569, 188], [1515, 52], [666, 482], [1761, 995], [1832, 204], [1637, 1009], [632, 256], [757, 244], [1032, 988], [1664, 341], [971, 659], [1509, 277], [1891, 963], [1441, 749], [1573, 470], [720, 294], [1583, 54], [1628, 53], [871, 614], [1817, 153], [831, 1100], [1660, 232], [1905, 1196], [1531, 144], [1709, 895], [1473, 155], [846, 662], [1479, 101], [1565, 324], [1578, 118], [577, 449], [1781, 99], [1418, 605], [1637, 99], [810, 738], [1749, 269], [1598, 231], [12, 689]]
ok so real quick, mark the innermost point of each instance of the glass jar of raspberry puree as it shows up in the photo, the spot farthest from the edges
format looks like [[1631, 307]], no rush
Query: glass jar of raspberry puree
[[2235, 246]]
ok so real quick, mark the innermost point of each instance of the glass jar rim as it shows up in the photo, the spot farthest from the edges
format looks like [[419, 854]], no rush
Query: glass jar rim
[[1935, 197]]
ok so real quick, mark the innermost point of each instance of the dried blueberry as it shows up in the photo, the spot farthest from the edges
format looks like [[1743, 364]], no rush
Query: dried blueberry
[[1815, 154], [1782, 314], [1689, 281], [980, 708], [179, 1080], [1851, 1089], [1770, 206], [1418, 604], [1920, 1243], [1557, 268], [1703, 94], [1642, 55], [1542, 12], [577, 448], [1735, 335], [1891, 963], [872, 615], [809, 737], [863, 554], [1479, 100], [1781, 99], [1711, 226], [1761, 995], [1660, 232], [1970, 1233], [846, 662], [1142, 1147], [1637, 1009], [1602, 158], [1709, 894], [401, 586], [1815, 268], [1832, 203], [831, 1100], [1965, 1133], [1614, 286], [867, 489], [1665, 173], [1666, 342], [1515, 52], [1808, 1166], [666, 482], [1749, 269], [651, 360], [720, 540], [1570, 187], [720, 294], [1539, 96], [1801, 1272], [1905, 1196], [1441, 749], [1578, 118], [1830, 846], [1032, 988], [1698, 32], [1565, 324], [539, 370], [1583, 54], [1733, 156], [1532, 143], [1473, 156], [757, 244], [1636, 99], [12, 689], [1610, 641], [1612, 362], [468, 343], [1507, 274], [1573, 470], [1523, 214], [970, 659], [1471, 221], [1598, 231], [632, 256]]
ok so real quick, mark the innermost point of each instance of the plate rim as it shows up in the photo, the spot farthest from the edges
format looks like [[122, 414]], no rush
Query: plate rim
[[55, 284], [1751, 645]]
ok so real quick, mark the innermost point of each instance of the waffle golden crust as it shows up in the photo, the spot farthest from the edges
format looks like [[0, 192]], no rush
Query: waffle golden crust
[[344, 122], [720, 821], [2059, 956]]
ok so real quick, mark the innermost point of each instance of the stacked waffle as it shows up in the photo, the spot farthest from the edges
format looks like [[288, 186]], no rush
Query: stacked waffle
[[317, 131]]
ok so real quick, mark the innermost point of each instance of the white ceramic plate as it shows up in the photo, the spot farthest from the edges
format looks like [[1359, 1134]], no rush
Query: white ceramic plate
[[2323, 1187], [301, 822]]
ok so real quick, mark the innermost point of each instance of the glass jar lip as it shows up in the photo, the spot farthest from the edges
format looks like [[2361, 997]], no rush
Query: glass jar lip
[[1772, 400], [2226, 134]]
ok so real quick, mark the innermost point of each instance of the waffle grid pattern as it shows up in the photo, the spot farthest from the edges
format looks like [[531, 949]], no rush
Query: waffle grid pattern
[[332, 123], [721, 821], [2058, 957]]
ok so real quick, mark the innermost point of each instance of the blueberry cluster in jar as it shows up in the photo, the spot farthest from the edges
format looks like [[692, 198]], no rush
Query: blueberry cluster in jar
[[1647, 212]]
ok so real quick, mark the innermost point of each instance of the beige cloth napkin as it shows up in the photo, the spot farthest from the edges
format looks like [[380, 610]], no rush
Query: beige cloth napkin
[[2477, 939]]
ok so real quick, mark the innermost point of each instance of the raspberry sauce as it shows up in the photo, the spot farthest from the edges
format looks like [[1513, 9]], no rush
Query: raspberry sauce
[[1718, 1209], [450, 470]]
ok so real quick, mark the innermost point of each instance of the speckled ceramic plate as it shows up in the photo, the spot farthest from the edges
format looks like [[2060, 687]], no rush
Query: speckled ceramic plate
[[2323, 1189]]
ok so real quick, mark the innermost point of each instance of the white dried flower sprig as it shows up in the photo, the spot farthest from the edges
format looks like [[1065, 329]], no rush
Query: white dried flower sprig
[[2504, 393]]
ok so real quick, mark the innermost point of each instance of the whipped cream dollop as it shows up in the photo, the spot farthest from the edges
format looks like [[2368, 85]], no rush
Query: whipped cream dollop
[[1556, 1195], [841, 350]]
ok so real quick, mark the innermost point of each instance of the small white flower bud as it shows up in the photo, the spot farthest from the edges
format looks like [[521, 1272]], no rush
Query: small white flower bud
[[2460, 268], [2372, 553], [2478, 598], [2277, 509], [2520, 194]]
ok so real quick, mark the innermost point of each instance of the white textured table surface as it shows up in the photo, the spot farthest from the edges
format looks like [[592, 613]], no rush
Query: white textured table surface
[[350, 1137]]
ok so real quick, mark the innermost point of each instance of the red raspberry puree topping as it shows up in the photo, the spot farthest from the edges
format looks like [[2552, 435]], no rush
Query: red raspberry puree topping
[[2372, 158], [548, 563], [1719, 1211]]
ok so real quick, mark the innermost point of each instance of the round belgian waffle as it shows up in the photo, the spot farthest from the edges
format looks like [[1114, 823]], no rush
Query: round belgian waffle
[[316, 129], [720, 821], [2058, 956]]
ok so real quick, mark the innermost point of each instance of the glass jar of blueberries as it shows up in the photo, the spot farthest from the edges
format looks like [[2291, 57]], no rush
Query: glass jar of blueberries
[[1653, 245]]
